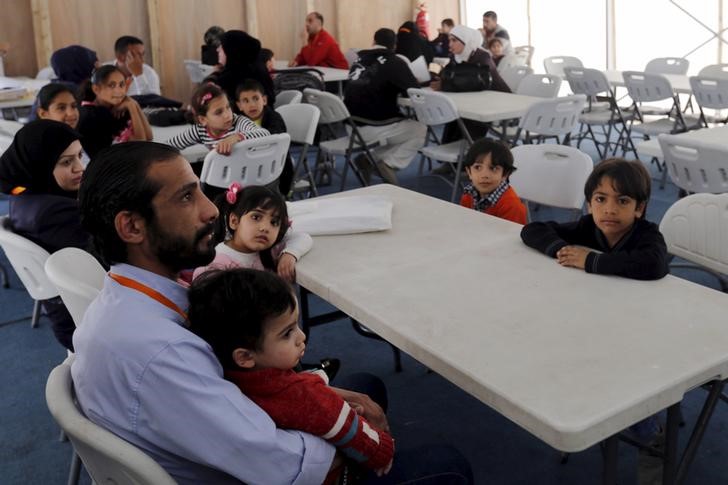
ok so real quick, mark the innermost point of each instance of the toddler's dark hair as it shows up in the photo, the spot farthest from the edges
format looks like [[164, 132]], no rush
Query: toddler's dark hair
[[250, 198], [499, 152], [249, 85], [229, 309]]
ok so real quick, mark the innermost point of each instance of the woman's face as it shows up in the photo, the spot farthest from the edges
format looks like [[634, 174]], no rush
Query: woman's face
[[112, 90], [63, 108], [69, 168], [221, 57], [456, 47]]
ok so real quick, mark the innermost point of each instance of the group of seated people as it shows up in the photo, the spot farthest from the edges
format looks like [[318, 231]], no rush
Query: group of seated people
[[198, 303]]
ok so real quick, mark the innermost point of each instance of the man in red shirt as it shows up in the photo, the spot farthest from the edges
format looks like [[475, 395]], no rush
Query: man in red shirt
[[320, 49]]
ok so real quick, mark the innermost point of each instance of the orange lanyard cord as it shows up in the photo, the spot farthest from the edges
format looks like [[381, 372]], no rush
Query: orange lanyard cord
[[150, 292]]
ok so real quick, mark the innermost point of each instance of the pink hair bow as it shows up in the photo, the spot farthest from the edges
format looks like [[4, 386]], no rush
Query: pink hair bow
[[205, 98], [232, 192]]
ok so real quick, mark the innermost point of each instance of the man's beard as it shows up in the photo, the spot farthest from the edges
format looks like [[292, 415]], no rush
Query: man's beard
[[178, 253]]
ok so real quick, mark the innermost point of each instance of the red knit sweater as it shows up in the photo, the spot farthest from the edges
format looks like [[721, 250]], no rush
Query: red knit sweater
[[508, 207], [304, 402], [322, 50]]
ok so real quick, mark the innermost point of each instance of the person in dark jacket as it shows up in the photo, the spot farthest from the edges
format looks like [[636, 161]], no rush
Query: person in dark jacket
[[626, 244], [41, 170], [411, 44], [376, 79], [238, 53]]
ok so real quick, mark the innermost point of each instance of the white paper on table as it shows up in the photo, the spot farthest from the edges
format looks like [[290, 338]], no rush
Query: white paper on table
[[342, 215]]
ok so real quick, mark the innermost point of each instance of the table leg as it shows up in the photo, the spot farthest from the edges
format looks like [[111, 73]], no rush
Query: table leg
[[699, 430], [671, 431], [610, 455]]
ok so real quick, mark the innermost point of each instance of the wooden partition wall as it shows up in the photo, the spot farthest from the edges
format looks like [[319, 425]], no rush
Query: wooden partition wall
[[172, 30]]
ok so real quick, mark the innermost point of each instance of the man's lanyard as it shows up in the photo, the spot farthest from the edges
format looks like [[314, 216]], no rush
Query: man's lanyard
[[150, 292]]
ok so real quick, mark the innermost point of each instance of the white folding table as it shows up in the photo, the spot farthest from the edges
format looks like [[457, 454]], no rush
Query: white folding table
[[680, 82], [717, 135], [573, 358]]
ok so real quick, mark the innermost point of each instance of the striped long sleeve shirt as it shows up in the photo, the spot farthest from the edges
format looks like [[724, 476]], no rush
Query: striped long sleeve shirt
[[198, 134]]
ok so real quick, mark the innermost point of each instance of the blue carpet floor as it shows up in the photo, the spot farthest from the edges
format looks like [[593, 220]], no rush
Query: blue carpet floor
[[424, 407]]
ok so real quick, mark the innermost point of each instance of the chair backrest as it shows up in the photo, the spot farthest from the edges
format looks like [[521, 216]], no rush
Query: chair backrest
[[696, 228], [510, 60], [289, 96], [79, 278], [551, 174], [258, 161], [301, 121], [554, 117], [589, 82], [540, 85], [710, 92], [668, 65], [556, 64], [299, 79], [719, 71], [194, 70], [46, 73], [646, 87], [333, 109], [432, 108], [351, 55], [525, 50], [513, 75], [27, 259], [695, 166], [106, 457]]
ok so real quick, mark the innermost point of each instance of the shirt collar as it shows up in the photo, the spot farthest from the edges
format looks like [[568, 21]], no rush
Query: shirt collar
[[169, 288], [482, 203]]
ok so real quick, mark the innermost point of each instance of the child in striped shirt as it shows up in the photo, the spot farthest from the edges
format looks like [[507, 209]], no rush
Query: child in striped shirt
[[250, 319], [216, 127]]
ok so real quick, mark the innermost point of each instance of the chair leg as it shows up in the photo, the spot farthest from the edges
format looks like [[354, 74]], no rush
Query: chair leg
[[36, 314], [75, 471], [365, 332]]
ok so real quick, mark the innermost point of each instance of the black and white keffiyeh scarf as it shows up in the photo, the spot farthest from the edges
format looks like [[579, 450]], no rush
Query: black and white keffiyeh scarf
[[482, 203]]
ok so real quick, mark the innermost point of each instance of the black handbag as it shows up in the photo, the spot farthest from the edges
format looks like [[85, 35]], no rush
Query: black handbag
[[464, 77]]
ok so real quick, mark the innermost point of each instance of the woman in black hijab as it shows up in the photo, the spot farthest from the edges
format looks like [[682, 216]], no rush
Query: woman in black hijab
[[41, 171], [238, 54], [411, 44], [74, 64]]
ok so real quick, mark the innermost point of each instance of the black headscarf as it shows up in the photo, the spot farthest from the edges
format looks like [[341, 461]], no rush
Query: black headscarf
[[411, 44], [31, 158], [74, 64], [241, 53]]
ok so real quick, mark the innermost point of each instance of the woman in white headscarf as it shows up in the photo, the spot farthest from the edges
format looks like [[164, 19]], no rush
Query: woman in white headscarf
[[465, 47]]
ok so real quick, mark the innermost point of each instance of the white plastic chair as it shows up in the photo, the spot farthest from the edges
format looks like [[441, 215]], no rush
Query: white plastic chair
[[540, 85], [258, 161], [556, 64], [719, 71], [668, 65], [551, 175], [351, 55], [196, 70], [593, 83], [644, 87], [525, 51], [334, 111], [556, 117], [436, 109], [512, 60], [513, 75], [79, 278], [28, 260], [107, 457], [288, 96], [301, 121], [696, 229], [695, 166], [46, 73], [710, 93]]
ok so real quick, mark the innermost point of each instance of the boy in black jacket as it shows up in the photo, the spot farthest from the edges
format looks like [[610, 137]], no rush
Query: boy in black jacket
[[252, 102], [617, 192]]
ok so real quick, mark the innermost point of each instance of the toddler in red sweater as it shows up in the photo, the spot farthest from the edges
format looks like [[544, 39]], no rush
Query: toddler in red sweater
[[250, 319], [488, 164]]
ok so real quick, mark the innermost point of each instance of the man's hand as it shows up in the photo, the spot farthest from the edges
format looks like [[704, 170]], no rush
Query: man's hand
[[134, 63], [572, 256], [364, 406]]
